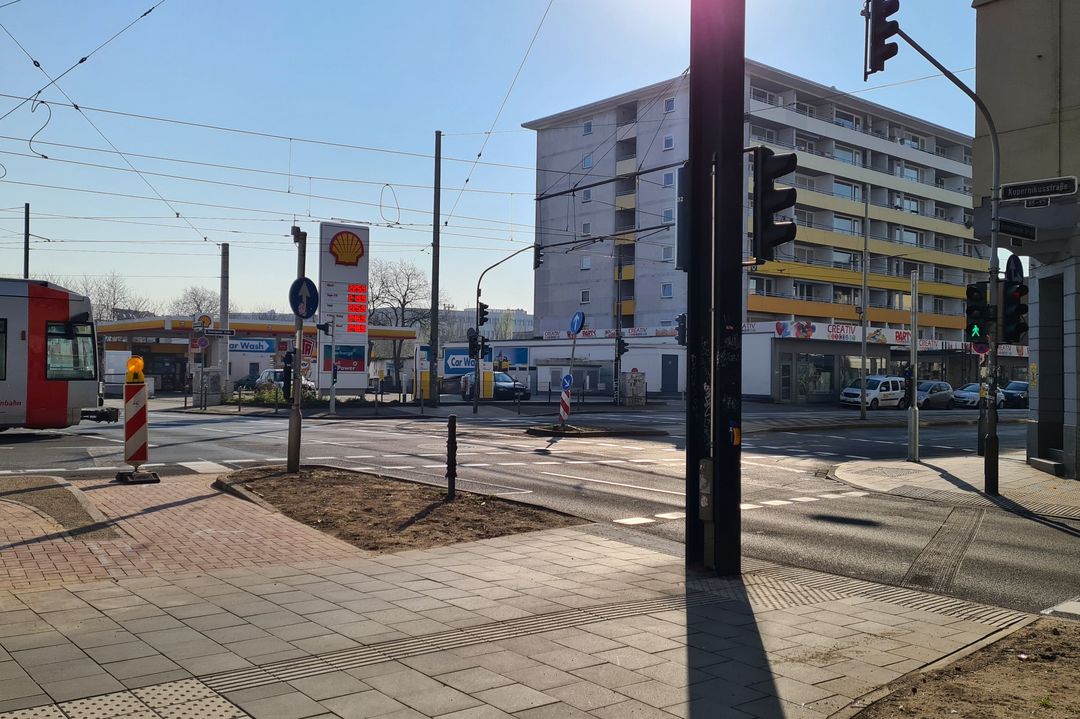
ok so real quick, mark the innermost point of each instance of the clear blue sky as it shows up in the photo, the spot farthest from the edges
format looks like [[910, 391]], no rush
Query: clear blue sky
[[377, 74]]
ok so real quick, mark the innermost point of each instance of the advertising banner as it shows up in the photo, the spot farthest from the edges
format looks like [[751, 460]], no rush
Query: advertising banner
[[344, 252]]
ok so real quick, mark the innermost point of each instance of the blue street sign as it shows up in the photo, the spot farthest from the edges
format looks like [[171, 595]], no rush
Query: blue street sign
[[568, 379], [303, 298], [577, 322]]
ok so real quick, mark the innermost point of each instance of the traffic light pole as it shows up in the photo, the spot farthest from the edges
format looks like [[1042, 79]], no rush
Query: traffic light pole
[[433, 379], [990, 457], [913, 390], [293, 459]]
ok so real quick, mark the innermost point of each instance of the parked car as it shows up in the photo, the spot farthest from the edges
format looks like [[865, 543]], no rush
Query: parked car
[[1016, 394], [248, 382], [881, 391], [968, 396], [932, 394], [276, 377], [506, 387]]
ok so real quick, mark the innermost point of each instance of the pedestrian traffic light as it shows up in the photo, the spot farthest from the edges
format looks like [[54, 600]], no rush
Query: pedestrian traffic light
[[621, 347], [481, 314], [1014, 311], [879, 30], [768, 233], [483, 347], [978, 314], [325, 327], [680, 332], [474, 344], [909, 387], [538, 257], [287, 375]]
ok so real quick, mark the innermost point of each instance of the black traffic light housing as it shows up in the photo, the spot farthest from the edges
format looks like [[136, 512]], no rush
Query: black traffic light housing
[[484, 346], [878, 31], [979, 315], [481, 314], [680, 332], [768, 233], [538, 256], [287, 375], [620, 346], [1014, 311], [325, 327], [474, 343]]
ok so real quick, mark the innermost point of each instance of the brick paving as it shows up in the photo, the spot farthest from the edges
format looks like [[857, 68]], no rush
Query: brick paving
[[179, 525], [217, 608]]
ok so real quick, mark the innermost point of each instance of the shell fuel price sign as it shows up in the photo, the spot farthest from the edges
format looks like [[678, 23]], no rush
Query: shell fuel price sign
[[343, 286]]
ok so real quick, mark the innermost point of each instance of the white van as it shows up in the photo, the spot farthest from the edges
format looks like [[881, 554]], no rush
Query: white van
[[881, 391]]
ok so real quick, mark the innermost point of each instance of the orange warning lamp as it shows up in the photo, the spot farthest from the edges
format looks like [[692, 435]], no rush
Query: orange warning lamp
[[135, 370]]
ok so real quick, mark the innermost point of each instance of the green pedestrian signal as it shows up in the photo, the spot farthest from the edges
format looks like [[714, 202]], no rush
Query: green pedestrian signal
[[975, 332], [978, 312]]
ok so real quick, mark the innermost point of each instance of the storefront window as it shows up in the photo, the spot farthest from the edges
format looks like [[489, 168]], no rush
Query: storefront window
[[816, 374]]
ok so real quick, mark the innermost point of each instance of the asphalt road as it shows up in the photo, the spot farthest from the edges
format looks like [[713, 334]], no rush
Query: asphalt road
[[792, 513]]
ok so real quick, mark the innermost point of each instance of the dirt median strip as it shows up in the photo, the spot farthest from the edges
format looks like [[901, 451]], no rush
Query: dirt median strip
[[380, 514], [65, 504]]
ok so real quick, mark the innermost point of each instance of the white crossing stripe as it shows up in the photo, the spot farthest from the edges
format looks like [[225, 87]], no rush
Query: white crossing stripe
[[204, 467], [775, 502], [831, 496], [635, 520], [855, 494], [749, 506], [804, 499], [671, 515]]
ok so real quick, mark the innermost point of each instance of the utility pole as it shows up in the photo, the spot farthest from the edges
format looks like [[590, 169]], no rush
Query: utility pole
[[617, 379], [293, 460], [714, 351], [26, 241], [864, 298], [913, 410], [223, 346], [433, 379]]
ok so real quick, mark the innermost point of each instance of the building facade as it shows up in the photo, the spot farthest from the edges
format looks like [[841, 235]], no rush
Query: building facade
[[869, 178]]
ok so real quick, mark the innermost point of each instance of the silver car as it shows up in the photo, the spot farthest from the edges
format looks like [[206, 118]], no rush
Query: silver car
[[932, 394], [968, 396]]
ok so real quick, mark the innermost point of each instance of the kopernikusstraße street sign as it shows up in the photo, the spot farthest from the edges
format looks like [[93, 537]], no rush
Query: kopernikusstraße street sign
[[1051, 187]]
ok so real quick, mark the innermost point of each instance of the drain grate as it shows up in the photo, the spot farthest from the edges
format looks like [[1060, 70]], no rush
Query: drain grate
[[1017, 505], [292, 669]]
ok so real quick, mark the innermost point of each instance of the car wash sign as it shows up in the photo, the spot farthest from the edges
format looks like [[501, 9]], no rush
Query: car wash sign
[[344, 251], [261, 346]]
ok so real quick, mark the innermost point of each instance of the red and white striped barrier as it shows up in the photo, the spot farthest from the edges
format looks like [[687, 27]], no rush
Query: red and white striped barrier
[[564, 405], [135, 425]]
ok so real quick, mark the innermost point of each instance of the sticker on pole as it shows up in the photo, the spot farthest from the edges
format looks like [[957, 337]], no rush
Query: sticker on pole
[[567, 381], [303, 298], [577, 322]]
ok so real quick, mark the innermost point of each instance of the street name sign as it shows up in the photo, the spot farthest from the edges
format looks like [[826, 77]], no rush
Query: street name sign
[[1033, 189], [1012, 228], [211, 332]]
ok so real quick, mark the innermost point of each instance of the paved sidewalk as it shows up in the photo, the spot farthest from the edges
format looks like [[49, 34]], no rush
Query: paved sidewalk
[[590, 621], [959, 480]]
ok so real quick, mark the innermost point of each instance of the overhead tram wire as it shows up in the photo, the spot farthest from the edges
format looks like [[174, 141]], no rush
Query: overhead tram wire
[[81, 60], [498, 114]]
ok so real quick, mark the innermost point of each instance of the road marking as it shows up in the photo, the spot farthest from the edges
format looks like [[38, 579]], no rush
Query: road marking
[[331, 457], [775, 502], [433, 466], [56, 469], [510, 464], [832, 496], [397, 466], [749, 506], [386, 456], [641, 460], [203, 467], [476, 464], [804, 499], [359, 456], [616, 484], [776, 466], [635, 520], [239, 461], [941, 446], [855, 456], [610, 461], [671, 515], [855, 494], [547, 462], [360, 469], [95, 469], [826, 454]]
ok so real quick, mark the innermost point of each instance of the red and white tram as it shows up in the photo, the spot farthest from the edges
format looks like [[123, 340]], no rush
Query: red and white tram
[[48, 357]]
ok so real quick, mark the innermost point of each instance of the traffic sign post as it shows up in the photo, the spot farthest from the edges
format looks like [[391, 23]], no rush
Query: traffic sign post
[[577, 323], [304, 301]]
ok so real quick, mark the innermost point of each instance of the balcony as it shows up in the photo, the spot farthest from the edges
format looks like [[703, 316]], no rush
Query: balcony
[[823, 308], [627, 271], [627, 307], [626, 132], [626, 166], [625, 200]]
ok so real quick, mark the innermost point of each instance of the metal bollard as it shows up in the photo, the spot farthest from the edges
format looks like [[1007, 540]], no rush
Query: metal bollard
[[451, 457], [239, 401]]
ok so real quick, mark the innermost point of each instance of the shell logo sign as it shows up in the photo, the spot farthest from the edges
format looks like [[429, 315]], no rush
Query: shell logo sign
[[346, 248]]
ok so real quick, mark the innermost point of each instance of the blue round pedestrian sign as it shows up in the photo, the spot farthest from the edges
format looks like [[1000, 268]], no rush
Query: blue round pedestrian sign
[[303, 298], [577, 322], [567, 381]]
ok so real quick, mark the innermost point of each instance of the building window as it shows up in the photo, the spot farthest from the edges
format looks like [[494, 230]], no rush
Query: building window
[[848, 155], [804, 291], [908, 237], [847, 119], [761, 285], [667, 290], [669, 142], [843, 260], [586, 162], [805, 182], [910, 204], [586, 128], [586, 262], [804, 109], [804, 218], [908, 172], [669, 179], [666, 323], [805, 145], [669, 105], [586, 228], [756, 93], [584, 297], [762, 134], [847, 225], [847, 190], [586, 195], [668, 216], [668, 253], [939, 306]]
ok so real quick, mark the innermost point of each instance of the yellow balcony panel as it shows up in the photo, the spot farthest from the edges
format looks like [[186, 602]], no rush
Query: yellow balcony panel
[[626, 132], [627, 272], [845, 313], [625, 238], [844, 241], [626, 167], [627, 307], [626, 202], [830, 275]]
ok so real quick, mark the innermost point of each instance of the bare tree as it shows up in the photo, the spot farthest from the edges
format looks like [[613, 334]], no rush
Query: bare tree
[[111, 296], [399, 295], [504, 326], [195, 300]]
